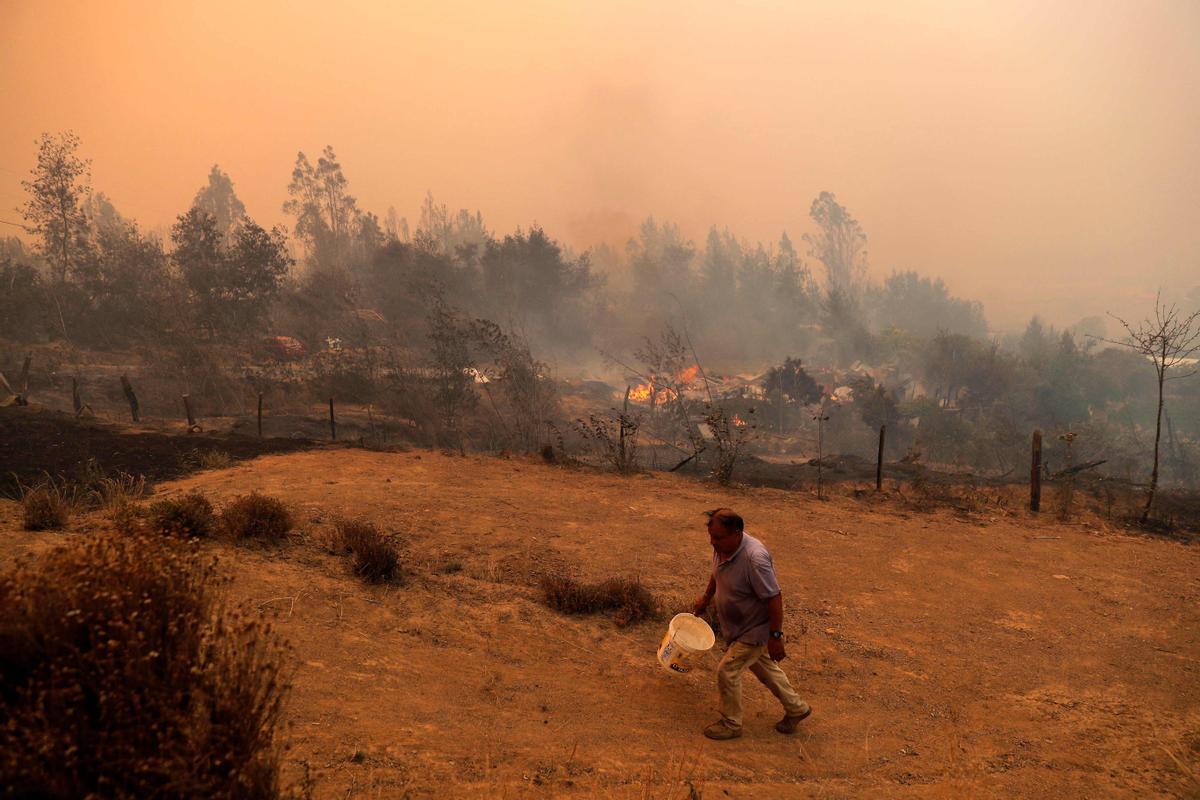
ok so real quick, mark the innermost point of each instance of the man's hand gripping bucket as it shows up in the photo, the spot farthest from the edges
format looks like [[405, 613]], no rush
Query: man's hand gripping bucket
[[687, 636]]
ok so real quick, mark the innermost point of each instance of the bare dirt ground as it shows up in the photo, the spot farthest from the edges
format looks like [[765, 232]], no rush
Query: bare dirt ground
[[945, 656]]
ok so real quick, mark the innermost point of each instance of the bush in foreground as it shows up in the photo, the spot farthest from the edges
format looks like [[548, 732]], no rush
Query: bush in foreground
[[628, 600], [375, 558], [258, 517], [190, 516], [122, 675], [44, 508]]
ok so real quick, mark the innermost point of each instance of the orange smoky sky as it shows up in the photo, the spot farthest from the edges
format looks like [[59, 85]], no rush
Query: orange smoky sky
[[1043, 157]]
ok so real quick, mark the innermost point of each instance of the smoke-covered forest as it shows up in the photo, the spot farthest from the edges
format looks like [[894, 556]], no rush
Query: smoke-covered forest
[[497, 340]]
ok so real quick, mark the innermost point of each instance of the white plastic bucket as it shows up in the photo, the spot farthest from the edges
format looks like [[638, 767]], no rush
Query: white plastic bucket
[[687, 636]]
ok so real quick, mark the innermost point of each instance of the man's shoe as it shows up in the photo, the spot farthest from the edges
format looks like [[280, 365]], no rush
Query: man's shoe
[[790, 722], [720, 731]]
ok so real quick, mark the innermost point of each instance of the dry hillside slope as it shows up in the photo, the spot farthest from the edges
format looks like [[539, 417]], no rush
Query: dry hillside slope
[[944, 656]]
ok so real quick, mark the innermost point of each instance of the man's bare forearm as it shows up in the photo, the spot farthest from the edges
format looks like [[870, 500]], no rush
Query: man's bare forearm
[[706, 598], [775, 612]]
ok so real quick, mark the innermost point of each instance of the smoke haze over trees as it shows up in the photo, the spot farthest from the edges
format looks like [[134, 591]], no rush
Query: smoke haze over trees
[[914, 356]]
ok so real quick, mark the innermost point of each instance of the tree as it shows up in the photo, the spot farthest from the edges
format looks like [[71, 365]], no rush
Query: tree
[[327, 216], [1037, 344], [718, 269], [843, 320], [54, 210], [924, 306], [102, 215], [660, 260], [1169, 340], [230, 283], [24, 304], [790, 378], [840, 244], [125, 282], [218, 199], [523, 382], [946, 365], [528, 279], [452, 362]]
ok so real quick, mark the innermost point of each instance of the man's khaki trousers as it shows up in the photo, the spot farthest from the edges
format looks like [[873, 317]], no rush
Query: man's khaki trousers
[[737, 659]]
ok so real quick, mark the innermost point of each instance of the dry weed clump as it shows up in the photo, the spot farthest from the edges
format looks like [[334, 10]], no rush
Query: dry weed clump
[[376, 559], [117, 492], [629, 601], [122, 675], [257, 517], [45, 507], [213, 459], [128, 518], [190, 516]]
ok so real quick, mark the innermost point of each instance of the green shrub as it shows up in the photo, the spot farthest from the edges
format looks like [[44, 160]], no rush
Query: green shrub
[[122, 675], [256, 516], [190, 516]]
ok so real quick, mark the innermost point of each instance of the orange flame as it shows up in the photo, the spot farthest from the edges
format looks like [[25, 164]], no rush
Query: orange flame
[[688, 375], [643, 391], [738, 421]]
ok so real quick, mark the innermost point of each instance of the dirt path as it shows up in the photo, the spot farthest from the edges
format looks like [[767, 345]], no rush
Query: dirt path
[[944, 657]]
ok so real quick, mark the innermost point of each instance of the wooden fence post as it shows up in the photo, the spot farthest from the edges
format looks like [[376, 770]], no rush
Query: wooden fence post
[[191, 419], [127, 387], [77, 400], [1035, 474], [260, 415], [879, 461], [23, 382], [332, 422]]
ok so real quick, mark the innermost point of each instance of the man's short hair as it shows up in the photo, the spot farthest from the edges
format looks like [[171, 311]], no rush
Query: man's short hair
[[727, 518]]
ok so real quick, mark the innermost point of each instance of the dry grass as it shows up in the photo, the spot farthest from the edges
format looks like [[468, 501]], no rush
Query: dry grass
[[128, 518], [111, 494], [257, 517], [629, 601], [190, 516], [122, 675], [45, 507], [213, 459], [376, 559]]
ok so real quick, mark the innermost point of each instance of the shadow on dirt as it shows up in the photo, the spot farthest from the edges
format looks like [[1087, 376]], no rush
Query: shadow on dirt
[[36, 442]]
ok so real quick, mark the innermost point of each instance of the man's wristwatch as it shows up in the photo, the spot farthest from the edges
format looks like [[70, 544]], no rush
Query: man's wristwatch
[[776, 634]]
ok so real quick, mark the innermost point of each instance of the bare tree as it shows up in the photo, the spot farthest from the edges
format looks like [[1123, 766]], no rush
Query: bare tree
[[1169, 340]]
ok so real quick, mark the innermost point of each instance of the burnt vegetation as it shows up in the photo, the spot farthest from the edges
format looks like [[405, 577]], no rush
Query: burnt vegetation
[[716, 354]]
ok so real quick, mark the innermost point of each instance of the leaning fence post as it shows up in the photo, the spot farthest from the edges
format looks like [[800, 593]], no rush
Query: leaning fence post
[[879, 461], [1035, 474], [332, 422], [260, 415], [127, 387], [23, 381], [191, 419]]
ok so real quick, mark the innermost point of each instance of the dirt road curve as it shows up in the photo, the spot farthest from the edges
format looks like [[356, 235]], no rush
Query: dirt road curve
[[944, 657]]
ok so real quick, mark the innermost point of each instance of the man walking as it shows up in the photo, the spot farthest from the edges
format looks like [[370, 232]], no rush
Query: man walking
[[750, 614]]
